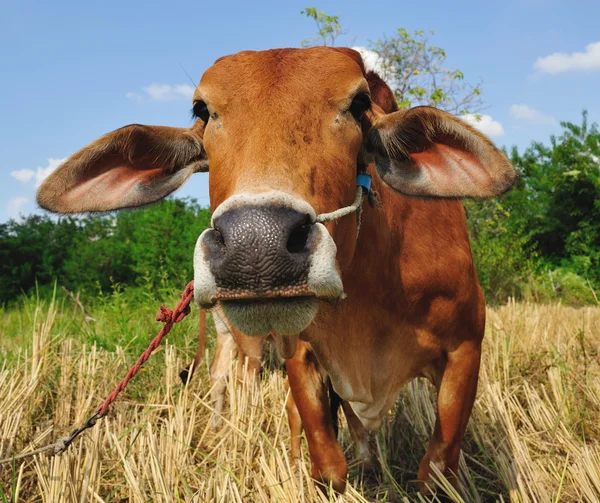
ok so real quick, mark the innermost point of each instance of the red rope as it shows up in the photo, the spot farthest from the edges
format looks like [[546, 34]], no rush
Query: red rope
[[169, 318]]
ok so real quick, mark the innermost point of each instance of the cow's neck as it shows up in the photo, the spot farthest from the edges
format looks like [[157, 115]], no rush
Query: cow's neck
[[346, 337]]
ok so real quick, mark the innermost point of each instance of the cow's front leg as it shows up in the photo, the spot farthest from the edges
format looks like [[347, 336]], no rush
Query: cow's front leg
[[328, 464], [457, 385], [225, 351], [250, 351], [295, 424]]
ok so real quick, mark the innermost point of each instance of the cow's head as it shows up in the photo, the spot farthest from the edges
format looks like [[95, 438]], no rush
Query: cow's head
[[284, 133]]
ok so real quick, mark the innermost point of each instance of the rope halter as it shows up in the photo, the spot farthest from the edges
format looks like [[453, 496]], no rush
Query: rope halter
[[363, 188]]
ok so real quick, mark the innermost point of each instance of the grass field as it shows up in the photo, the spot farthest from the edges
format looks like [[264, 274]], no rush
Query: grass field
[[534, 435]]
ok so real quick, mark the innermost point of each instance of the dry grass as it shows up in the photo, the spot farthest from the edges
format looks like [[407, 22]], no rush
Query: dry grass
[[534, 435]]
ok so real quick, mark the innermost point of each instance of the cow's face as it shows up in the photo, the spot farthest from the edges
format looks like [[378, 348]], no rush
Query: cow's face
[[284, 134]]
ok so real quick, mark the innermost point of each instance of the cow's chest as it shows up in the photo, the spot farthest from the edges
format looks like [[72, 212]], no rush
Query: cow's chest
[[368, 361]]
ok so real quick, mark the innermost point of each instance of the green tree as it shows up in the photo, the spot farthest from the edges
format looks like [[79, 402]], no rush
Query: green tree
[[328, 28], [152, 246], [164, 237], [415, 69], [569, 171], [417, 73], [31, 250], [547, 228], [503, 252], [99, 256]]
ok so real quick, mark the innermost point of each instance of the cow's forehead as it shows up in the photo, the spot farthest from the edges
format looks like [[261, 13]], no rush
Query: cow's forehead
[[329, 72]]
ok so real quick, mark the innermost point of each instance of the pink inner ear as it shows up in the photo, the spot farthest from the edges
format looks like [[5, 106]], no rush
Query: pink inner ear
[[122, 186], [451, 171]]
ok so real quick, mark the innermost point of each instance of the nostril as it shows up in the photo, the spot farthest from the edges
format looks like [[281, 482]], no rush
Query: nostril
[[219, 237], [298, 237]]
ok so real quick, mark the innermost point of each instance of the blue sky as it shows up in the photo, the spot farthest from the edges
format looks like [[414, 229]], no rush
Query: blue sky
[[72, 70]]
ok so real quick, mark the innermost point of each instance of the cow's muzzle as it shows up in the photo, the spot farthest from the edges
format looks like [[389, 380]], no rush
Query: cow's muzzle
[[267, 262]]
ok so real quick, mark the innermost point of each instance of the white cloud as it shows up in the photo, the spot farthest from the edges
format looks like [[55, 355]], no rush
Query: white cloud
[[162, 92], [485, 124], [560, 62], [372, 60], [531, 115], [23, 175], [39, 175], [15, 205]]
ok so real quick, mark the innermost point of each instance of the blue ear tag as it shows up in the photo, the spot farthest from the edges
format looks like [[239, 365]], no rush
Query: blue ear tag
[[364, 181]]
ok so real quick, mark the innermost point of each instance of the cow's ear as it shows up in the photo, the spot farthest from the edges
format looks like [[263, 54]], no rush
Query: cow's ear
[[429, 153], [132, 166]]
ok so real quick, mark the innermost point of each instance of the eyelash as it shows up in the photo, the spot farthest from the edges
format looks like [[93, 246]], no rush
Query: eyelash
[[360, 104], [200, 111]]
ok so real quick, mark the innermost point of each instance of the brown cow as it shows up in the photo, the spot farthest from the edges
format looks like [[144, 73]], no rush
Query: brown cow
[[249, 350], [286, 132]]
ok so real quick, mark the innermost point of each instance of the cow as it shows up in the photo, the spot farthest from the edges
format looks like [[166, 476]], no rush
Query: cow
[[372, 298], [229, 343]]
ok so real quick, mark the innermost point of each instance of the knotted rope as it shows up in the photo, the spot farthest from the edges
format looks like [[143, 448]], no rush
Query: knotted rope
[[169, 318], [165, 315], [346, 210]]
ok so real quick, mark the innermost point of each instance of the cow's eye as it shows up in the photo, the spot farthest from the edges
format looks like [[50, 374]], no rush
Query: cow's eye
[[360, 104], [200, 110]]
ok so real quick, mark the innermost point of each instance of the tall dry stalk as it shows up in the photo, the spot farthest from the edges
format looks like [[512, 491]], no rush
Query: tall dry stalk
[[534, 435]]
